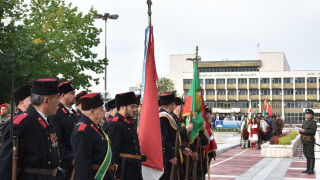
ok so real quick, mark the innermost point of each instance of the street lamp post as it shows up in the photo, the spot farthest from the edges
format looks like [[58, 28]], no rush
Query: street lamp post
[[105, 17]]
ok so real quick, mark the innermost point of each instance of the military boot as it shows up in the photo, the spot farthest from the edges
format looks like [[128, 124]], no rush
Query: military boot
[[312, 161], [308, 166]]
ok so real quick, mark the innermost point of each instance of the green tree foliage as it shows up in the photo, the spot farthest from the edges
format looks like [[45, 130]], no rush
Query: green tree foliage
[[47, 38], [165, 85]]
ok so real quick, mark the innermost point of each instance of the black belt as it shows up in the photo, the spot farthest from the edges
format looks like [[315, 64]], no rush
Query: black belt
[[46, 172]]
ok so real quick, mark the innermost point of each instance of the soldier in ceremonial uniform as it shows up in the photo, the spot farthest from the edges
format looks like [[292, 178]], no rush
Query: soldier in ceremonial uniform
[[92, 150], [124, 138], [78, 96], [177, 112], [111, 110], [22, 98], [38, 155], [64, 122], [168, 132], [308, 131], [212, 152]]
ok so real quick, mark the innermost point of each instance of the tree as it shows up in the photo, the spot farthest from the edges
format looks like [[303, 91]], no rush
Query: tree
[[165, 85], [51, 39]]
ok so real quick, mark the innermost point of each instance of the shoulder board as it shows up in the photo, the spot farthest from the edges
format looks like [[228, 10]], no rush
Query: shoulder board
[[64, 110], [19, 118], [82, 127], [171, 120], [115, 119], [94, 128]]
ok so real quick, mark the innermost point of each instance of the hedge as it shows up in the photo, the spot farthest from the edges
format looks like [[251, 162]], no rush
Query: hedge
[[286, 140]]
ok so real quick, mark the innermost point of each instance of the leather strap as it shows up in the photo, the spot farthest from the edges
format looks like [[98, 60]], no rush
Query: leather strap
[[111, 167], [130, 156], [46, 172]]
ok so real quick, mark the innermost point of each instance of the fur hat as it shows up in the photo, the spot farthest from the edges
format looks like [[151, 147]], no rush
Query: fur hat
[[178, 101], [208, 109], [167, 98], [22, 93], [125, 99], [79, 95], [91, 101], [45, 86], [66, 87], [110, 105]]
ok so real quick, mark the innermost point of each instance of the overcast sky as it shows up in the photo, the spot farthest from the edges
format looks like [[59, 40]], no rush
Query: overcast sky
[[223, 29]]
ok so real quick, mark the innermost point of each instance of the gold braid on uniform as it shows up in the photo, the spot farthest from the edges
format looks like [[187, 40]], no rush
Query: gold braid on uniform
[[174, 126]]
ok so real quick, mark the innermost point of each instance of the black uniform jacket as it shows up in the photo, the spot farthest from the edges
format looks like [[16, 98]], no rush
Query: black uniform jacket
[[38, 146], [310, 128], [64, 123], [168, 133], [90, 148], [79, 113], [124, 139]]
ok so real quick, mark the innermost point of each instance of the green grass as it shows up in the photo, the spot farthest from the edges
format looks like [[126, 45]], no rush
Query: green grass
[[286, 140], [226, 130]]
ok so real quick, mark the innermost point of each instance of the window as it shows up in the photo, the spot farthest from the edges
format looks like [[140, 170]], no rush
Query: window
[[221, 92], [210, 92], [254, 92], [300, 80], [186, 91], [276, 92], [209, 103], [243, 92], [288, 80], [201, 81], [265, 80], [232, 92], [253, 81], [276, 80], [288, 91], [221, 81], [187, 81], [209, 81], [265, 91], [255, 104], [300, 91], [231, 81], [242, 81], [312, 91], [311, 80]]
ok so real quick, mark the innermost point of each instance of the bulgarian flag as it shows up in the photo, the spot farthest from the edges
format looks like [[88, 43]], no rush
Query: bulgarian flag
[[249, 113], [264, 107], [149, 126], [194, 104]]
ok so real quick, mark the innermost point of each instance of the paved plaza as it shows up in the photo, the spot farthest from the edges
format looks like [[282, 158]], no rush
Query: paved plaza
[[241, 163]]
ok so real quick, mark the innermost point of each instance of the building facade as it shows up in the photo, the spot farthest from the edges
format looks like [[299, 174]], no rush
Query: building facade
[[230, 86]]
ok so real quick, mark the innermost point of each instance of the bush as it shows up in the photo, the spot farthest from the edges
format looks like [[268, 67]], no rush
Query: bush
[[274, 140], [226, 130], [286, 140]]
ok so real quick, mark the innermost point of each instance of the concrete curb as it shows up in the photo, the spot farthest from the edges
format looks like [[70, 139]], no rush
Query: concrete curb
[[224, 149]]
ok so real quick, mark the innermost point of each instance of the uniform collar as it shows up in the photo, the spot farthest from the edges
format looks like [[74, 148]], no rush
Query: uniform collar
[[42, 115]]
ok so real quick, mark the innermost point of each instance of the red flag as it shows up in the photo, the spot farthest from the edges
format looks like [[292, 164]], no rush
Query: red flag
[[149, 126], [212, 144], [270, 111]]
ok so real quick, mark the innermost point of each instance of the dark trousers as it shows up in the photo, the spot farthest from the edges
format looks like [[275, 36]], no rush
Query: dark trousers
[[308, 150], [167, 170]]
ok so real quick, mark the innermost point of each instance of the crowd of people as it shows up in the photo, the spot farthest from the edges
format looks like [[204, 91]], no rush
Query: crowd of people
[[95, 140]]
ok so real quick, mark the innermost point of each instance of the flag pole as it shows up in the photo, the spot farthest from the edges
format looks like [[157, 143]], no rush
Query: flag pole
[[191, 117]]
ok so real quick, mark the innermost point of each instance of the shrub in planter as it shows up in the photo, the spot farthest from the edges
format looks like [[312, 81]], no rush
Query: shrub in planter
[[274, 140], [286, 140]]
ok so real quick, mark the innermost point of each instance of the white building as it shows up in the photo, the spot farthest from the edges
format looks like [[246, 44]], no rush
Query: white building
[[229, 86]]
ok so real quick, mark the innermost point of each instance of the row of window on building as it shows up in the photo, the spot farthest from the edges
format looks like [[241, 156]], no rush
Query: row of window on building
[[228, 69], [298, 80], [233, 92], [255, 104]]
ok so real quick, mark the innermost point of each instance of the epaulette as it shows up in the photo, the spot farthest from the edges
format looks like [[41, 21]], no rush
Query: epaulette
[[94, 128], [64, 110], [115, 119], [82, 127], [19, 118]]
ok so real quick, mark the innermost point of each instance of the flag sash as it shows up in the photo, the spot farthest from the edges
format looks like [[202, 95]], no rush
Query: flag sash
[[106, 162]]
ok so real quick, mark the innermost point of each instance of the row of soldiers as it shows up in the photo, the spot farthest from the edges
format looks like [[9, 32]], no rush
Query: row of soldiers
[[57, 142]]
